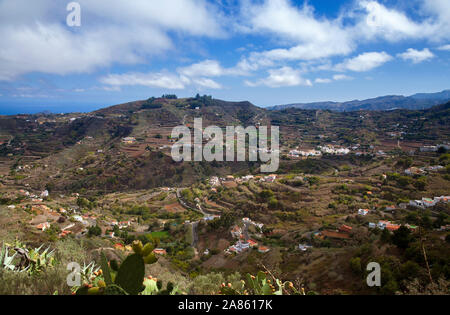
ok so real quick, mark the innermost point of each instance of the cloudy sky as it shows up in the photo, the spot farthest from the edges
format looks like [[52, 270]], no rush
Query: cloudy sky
[[266, 51]]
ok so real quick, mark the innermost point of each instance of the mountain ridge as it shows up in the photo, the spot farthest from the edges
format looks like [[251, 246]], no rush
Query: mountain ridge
[[387, 102]]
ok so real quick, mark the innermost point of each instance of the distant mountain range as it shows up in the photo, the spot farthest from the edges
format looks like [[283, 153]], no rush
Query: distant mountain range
[[390, 102]]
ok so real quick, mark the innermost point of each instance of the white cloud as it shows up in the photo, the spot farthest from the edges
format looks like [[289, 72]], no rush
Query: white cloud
[[417, 56], [390, 24], [207, 83], [282, 77], [312, 37], [111, 88], [379, 21], [341, 77], [336, 77], [162, 80], [155, 80], [364, 62], [320, 80], [207, 68], [304, 35], [211, 68], [439, 11], [35, 37], [445, 47]]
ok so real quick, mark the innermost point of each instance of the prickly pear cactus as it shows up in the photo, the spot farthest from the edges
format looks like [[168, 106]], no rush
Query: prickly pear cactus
[[106, 270], [114, 290], [148, 249], [131, 274], [127, 278]]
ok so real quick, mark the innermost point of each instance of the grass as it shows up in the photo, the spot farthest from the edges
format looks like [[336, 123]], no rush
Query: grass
[[161, 235]]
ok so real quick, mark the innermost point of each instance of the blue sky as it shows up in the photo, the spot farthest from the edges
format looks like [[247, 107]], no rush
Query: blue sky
[[269, 52]]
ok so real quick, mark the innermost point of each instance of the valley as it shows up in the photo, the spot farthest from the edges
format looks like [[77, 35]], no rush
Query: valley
[[352, 188]]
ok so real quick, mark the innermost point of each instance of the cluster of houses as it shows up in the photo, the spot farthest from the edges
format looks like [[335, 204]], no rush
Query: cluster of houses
[[121, 225], [45, 217], [129, 140], [414, 171], [34, 197], [434, 148], [327, 149], [383, 224], [242, 244], [335, 151], [304, 153], [216, 181], [388, 225], [429, 202]]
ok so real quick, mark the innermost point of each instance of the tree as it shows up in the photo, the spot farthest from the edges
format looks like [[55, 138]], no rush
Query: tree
[[355, 265], [385, 236], [273, 203], [94, 231], [266, 194], [170, 96], [390, 288], [409, 270], [225, 221], [421, 183], [402, 237], [405, 162]]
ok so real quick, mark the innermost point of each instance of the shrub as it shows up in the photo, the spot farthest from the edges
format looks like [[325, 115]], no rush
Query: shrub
[[355, 265], [402, 237]]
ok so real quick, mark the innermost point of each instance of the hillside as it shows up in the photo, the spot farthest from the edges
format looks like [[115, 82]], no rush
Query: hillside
[[87, 151], [96, 182], [413, 102]]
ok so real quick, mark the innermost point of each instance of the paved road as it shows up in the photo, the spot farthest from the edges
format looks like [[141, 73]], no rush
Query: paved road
[[193, 224]]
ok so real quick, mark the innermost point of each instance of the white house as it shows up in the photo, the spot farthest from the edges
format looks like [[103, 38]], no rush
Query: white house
[[363, 212], [416, 203], [429, 148], [428, 202], [304, 247]]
